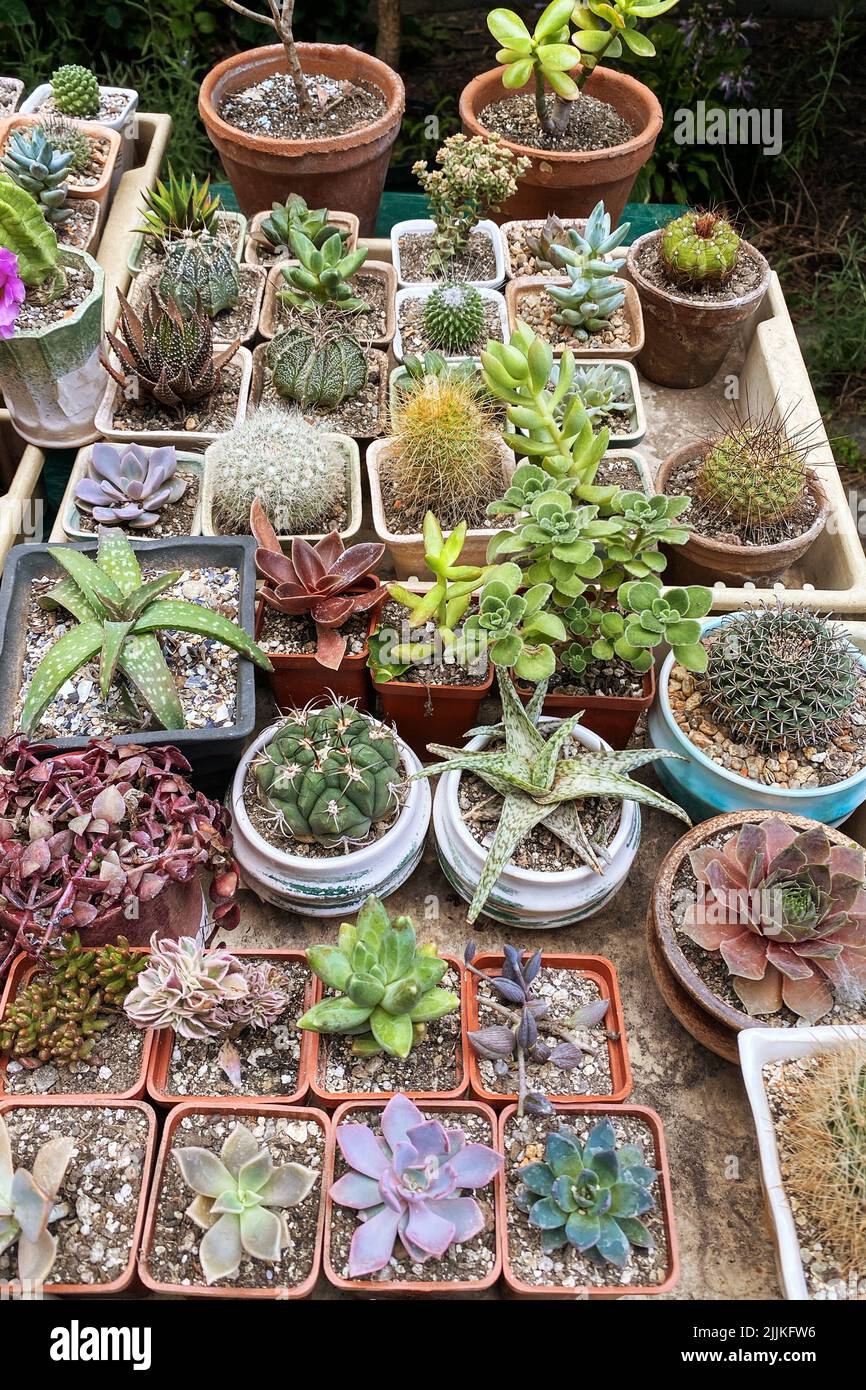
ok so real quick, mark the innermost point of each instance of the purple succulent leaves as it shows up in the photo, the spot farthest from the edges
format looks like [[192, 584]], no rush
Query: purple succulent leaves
[[409, 1185], [129, 485]]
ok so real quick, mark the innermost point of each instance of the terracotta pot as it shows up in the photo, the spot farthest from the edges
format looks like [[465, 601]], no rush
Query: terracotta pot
[[612, 717], [664, 1200], [432, 713], [712, 1022], [603, 974], [415, 1288], [347, 170], [319, 1050], [124, 1280], [22, 971], [94, 131], [298, 678], [570, 183], [705, 559], [517, 289], [687, 341], [259, 251], [271, 323], [242, 1113], [163, 1043]]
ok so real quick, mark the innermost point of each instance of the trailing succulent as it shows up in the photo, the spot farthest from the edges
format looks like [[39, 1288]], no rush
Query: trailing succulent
[[295, 216], [75, 91], [25, 232], [179, 207], [317, 367], [699, 248], [127, 485], [453, 317], [786, 910], [35, 165], [320, 280], [167, 355], [118, 615], [409, 1184], [385, 985], [476, 175], [29, 1204], [593, 294], [200, 270]]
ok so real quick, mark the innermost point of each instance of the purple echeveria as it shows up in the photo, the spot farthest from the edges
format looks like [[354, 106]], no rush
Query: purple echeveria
[[408, 1185], [12, 291], [130, 485]]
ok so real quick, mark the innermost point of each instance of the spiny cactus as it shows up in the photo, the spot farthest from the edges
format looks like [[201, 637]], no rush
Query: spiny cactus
[[128, 485], [25, 232], [295, 215], [454, 318], [179, 207], [699, 248], [28, 1205], [69, 139], [780, 677], [586, 304], [316, 368], [170, 356], [200, 268], [321, 279], [295, 471], [36, 166], [753, 476], [75, 91]]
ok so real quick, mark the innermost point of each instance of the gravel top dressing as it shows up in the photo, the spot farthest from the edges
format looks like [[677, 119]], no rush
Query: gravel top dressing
[[270, 107], [745, 278], [75, 231], [394, 617], [113, 1066], [410, 321], [33, 316], [613, 678], [174, 520], [522, 260], [535, 307], [213, 414], [592, 124], [707, 520], [294, 634], [477, 262], [8, 93], [111, 104]]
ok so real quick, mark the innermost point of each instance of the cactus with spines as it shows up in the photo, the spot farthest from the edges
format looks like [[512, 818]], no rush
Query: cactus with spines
[[200, 269], [453, 318], [25, 232], [699, 248], [317, 368], [75, 91], [35, 165], [295, 215], [753, 476], [69, 139], [166, 354], [593, 294]]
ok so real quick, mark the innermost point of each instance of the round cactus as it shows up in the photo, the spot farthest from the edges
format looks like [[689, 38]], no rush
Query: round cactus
[[75, 91], [699, 248], [753, 476], [200, 265], [316, 370], [68, 139], [454, 318]]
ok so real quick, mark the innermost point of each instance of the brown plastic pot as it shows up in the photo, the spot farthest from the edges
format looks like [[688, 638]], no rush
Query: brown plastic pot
[[274, 1291], [415, 1288], [124, 1280], [22, 971], [99, 192], [297, 677], [345, 170], [603, 974], [705, 559], [318, 1059], [519, 1289], [431, 713], [269, 322], [179, 910], [521, 285], [257, 242], [612, 717], [566, 182], [687, 340]]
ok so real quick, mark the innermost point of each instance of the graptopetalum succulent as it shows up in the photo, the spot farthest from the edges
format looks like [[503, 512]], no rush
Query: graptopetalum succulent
[[323, 580], [240, 1201], [118, 615], [409, 1183], [167, 355], [127, 485], [544, 782], [786, 910], [28, 1205], [586, 304], [386, 986]]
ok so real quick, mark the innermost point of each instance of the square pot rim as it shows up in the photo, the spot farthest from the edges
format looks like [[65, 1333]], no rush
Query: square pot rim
[[414, 538], [583, 352], [496, 297], [145, 279], [190, 458], [373, 354], [631, 703], [295, 661], [136, 248], [420, 226], [93, 130], [338, 216], [578, 222], [621, 443], [104, 420], [383, 271]]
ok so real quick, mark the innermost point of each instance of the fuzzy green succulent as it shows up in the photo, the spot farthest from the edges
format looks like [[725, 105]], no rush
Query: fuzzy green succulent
[[35, 165], [321, 278], [593, 294], [699, 248], [517, 624], [295, 215], [316, 367], [386, 985], [453, 317], [75, 91], [200, 269]]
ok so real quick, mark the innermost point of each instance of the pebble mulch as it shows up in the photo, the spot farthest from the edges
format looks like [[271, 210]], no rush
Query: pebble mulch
[[522, 260], [477, 262], [592, 124], [270, 107], [535, 307]]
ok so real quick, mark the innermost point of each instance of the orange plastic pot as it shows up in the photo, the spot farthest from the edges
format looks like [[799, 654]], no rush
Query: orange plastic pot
[[123, 1281], [281, 1292], [612, 717], [298, 678], [603, 974], [163, 1043], [318, 1057], [414, 1288], [432, 713], [520, 1289]]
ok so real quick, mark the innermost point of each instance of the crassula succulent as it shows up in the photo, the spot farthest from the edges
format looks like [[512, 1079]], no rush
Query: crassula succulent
[[28, 1205], [786, 911], [409, 1184], [128, 486]]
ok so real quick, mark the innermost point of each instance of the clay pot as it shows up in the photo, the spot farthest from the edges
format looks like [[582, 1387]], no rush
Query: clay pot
[[298, 678], [99, 192], [346, 171], [272, 321], [612, 717], [432, 713], [703, 559], [594, 968], [686, 340], [566, 182]]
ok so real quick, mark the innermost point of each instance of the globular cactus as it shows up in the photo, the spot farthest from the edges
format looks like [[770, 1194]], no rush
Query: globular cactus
[[36, 166], [128, 485], [753, 476], [317, 369], [69, 139], [25, 232], [328, 776], [699, 248], [586, 304], [169, 354], [75, 91], [200, 268], [454, 318]]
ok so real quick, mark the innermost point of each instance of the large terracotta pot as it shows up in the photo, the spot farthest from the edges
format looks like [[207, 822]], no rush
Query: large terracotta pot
[[346, 171], [567, 182]]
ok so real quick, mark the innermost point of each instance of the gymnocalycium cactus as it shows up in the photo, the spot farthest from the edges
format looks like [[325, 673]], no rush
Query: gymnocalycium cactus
[[699, 248], [118, 615], [316, 367], [28, 1205], [32, 162], [386, 985], [453, 317], [200, 269], [593, 295], [128, 485], [75, 91]]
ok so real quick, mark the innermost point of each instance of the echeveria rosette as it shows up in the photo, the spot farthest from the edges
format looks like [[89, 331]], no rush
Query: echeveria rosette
[[590, 1196], [28, 1204], [183, 986], [409, 1185], [786, 910], [128, 485], [12, 292], [515, 626]]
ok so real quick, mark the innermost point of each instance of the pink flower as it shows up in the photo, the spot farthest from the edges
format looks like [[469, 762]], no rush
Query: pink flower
[[12, 292]]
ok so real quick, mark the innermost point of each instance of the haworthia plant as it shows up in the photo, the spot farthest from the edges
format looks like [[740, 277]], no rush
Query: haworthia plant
[[118, 616]]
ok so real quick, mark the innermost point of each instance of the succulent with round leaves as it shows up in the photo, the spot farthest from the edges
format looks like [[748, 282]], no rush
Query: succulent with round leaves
[[640, 525], [589, 1195], [295, 215], [127, 485], [179, 207], [167, 355], [201, 270], [316, 368], [320, 280], [25, 232], [516, 627], [69, 139], [699, 248], [648, 618], [753, 476], [35, 165], [75, 91], [385, 987], [453, 317], [556, 543], [593, 294], [29, 1203]]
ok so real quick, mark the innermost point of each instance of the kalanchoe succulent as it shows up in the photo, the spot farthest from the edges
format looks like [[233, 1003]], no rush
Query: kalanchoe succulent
[[12, 292], [316, 366], [32, 162], [183, 986], [167, 355], [320, 280], [128, 485], [178, 207], [589, 1195], [240, 1202], [295, 215], [386, 986], [28, 1205], [646, 618], [200, 270], [593, 294], [409, 1184], [325, 581], [476, 176], [453, 317], [75, 91], [699, 248], [786, 910]]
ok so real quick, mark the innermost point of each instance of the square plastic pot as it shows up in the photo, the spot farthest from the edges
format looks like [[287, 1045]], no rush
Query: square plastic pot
[[612, 717], [143, 286], [424, 292], [178, 436], [419, 225], [375, 358], [535, 224], [233, 223], [629, 439], [255, 240], [192, 463], [517, 289], [100, 192], [270, 323]]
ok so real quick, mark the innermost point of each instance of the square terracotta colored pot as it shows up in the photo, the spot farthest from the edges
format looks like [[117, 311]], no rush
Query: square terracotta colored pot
[[94, 131], [603, 974], [160, 1057], [383, 271], [522, 285], [298, 678], [256, 240], [274, 1291], [612, 717]]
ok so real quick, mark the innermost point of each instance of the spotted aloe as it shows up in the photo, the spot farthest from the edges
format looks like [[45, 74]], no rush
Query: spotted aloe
[[118, 617]]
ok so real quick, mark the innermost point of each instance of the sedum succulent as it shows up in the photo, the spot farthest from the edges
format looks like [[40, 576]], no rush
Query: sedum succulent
[[200, 270], [28, 1205], [386, 986], [167, 355], [454, 317], [699, 248], [786, 910], [183, 986], [320, 280], [295, 215], [589, 1195], [75, 91], [35, 165], [179, 207], [317, 368], [128, 485], [586, 304], [240, 1202], [410, 1184]]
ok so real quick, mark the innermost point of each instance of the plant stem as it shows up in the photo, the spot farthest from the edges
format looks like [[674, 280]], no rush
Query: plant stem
[[555, 1028], [521, 1080]]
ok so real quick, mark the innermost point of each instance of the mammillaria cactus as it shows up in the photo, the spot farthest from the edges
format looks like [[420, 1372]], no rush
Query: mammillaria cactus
[[239, 1202], [329, 775], [453, 317], [200, 269], [183, 985], [295, 215], [320, 280], [317, 368], [786, 910], [131, 484], [409, 1184], [592, 296], [26, 234], [28, 1205], [168, 355], [179, 207], [699, 248], [589, 1195], [386, 985], [753, 476], [69, 139], [75, 91], [35, 165]]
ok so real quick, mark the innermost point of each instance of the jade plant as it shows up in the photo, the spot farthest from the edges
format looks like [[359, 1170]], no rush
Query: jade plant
[[29, 1204], [35, 165], [118, 615], [476, 176], [126, 485], [320, 279], [593, 294], [25, 233], [167, 355], [385, 986], [178, 207]]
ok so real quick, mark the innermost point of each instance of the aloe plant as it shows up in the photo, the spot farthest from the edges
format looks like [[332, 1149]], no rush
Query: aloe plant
[[118, 616]]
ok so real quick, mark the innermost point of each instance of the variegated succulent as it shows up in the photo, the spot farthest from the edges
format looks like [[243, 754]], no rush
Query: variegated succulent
[[28, 1205], [127, 485], [183, 986], [166, 354]]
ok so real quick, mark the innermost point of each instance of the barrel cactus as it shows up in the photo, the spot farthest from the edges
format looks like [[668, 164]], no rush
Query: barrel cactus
[[699, 248], [317, 369], [35, 165], [202, 266], [753, 476], [454, 318], [75, 91]]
